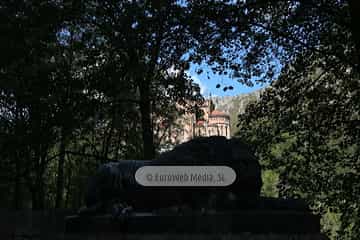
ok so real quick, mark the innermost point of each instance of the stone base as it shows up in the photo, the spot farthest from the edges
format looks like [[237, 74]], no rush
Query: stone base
[[242, 236], [255, 222]]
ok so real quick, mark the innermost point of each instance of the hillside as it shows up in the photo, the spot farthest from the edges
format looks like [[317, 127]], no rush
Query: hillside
[[234, 105]]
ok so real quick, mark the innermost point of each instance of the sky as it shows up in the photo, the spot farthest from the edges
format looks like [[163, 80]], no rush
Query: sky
[[208, 86]]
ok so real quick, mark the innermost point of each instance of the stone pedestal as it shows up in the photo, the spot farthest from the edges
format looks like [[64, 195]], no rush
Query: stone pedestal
[[254, 224], [241, 236]]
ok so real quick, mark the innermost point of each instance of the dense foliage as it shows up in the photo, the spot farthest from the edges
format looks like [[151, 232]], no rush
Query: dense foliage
[[85, 82], [306, 125], [306, 129]]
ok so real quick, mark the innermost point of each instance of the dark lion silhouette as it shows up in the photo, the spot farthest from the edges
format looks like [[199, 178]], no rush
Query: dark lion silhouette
[[114, 189]]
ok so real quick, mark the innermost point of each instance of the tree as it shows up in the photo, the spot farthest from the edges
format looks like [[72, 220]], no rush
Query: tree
[[27, 44], [306, 128], [94, 77], [148, 41], [41, 93]]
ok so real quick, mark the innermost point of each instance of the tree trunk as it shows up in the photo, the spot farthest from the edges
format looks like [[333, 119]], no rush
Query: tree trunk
[[38, 195], [37, 189], [68, 189], [107, 140], [146, 123], [60, 171], [118, 145], [17, 191], [38, 148]]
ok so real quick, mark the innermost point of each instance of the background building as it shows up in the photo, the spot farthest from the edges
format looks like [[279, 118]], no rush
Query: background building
[[212, 123]]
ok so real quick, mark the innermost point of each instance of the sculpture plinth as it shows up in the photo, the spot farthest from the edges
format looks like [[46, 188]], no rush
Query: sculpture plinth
[[255, 221], [233, 209]]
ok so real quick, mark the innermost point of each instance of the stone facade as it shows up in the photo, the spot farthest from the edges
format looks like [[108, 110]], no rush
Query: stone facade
[[212, 123]]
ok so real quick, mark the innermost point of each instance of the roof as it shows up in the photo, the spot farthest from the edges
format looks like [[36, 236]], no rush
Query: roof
[[200, 122], [217, 113]]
